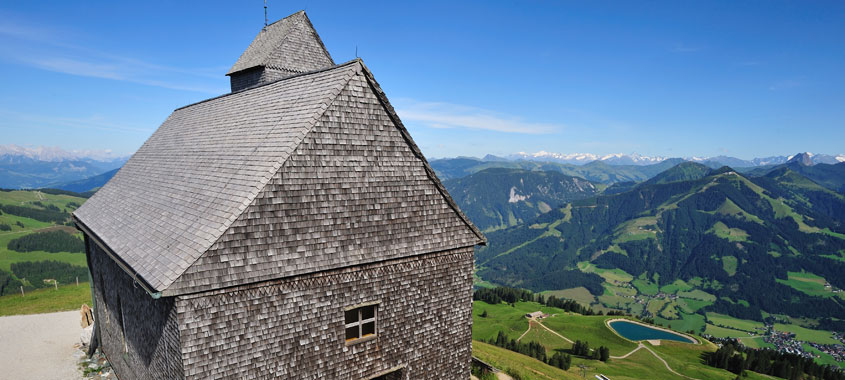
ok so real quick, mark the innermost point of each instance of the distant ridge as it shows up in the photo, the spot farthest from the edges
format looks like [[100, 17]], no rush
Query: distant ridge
[[637, 159], [87, 184], [32, 168]]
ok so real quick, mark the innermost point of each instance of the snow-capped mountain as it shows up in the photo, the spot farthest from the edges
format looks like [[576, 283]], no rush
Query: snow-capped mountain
[[23, 167], [821, 158], [56, 154], [638, 159], [585, 158]]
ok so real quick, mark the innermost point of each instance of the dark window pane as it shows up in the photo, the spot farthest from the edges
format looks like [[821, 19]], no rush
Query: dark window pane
[[368, 312], [352, 333], [368, 329], [351, 316]]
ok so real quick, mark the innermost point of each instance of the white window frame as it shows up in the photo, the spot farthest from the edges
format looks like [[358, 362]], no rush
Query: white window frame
[[361, 322]]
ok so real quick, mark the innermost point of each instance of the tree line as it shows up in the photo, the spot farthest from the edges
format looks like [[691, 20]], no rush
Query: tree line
[[8, 284], [49, 241], [43, 215], [35, 272], [583, 349], [534, 350], [737, 358], [510, 295]]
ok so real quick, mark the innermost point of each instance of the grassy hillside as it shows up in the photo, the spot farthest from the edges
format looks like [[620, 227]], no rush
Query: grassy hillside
[[31, 218], [641, 364], [674, 251], [47, 300]]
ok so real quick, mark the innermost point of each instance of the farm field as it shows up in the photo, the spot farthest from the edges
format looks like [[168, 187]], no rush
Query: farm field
[[809, 335], [810, 284], [756, 342], [685, 322], [580, 294], [735, 323]]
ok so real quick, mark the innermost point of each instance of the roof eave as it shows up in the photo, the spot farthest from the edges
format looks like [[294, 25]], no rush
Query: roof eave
[[136, 278]]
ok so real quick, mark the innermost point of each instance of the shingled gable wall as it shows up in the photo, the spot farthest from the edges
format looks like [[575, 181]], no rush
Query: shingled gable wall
[[294, 328], [352, 192], [153, 350]]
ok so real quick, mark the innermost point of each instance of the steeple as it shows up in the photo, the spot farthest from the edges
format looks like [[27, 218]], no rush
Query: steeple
[[286, 47]]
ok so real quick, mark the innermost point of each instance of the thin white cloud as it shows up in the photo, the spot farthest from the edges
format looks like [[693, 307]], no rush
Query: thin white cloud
[[114, 71], [445, 115], [43, 49]]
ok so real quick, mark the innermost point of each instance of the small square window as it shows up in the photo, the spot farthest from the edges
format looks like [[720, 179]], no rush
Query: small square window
[[360, 322]]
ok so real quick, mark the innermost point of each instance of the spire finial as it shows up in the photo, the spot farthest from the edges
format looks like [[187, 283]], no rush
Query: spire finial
[[265, 13]]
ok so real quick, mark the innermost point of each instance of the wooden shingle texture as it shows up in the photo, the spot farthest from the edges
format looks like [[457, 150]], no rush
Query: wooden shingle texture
[[266, 183], [195, 175], [153, 349], [352, 192], [293, 328], [290, 45]]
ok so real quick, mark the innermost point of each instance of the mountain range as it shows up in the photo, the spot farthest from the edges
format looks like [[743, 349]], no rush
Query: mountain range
[[30, 168], [496, 198], [637, 159], [733, 244], [596, 171]]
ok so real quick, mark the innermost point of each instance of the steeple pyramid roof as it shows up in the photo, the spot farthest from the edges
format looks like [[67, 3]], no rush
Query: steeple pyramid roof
[[290, 44]]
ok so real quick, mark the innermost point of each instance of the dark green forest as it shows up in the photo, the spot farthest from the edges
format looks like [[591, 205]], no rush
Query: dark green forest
[[43, 215], [738, 358], [49, 241], [8, 285], [35, 272]]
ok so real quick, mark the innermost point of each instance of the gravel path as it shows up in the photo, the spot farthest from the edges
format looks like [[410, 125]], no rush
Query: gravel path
[[39, 346]]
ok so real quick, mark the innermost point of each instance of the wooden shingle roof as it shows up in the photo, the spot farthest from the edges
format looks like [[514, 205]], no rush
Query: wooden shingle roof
[[290, 44], [198, 173]]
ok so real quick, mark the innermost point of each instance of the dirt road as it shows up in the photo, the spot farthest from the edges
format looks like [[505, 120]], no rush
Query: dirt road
[[39, 346]]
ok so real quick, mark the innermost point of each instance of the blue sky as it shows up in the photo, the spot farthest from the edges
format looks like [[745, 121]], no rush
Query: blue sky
[[747, 79]]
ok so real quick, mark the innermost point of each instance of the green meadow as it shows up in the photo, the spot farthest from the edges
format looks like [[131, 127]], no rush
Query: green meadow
[[642, 364]]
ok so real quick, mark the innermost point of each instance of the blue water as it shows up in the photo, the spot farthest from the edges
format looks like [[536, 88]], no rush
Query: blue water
[[634, 331]]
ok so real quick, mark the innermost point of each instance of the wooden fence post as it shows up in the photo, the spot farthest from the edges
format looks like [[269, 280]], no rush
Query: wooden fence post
[[22, 293], [56, 284]]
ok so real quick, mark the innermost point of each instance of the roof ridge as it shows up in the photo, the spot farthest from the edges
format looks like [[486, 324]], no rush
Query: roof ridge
[[333, 94], [271, 82]]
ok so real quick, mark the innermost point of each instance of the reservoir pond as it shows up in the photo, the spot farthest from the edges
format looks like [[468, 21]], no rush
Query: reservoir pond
[[635, 332]]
